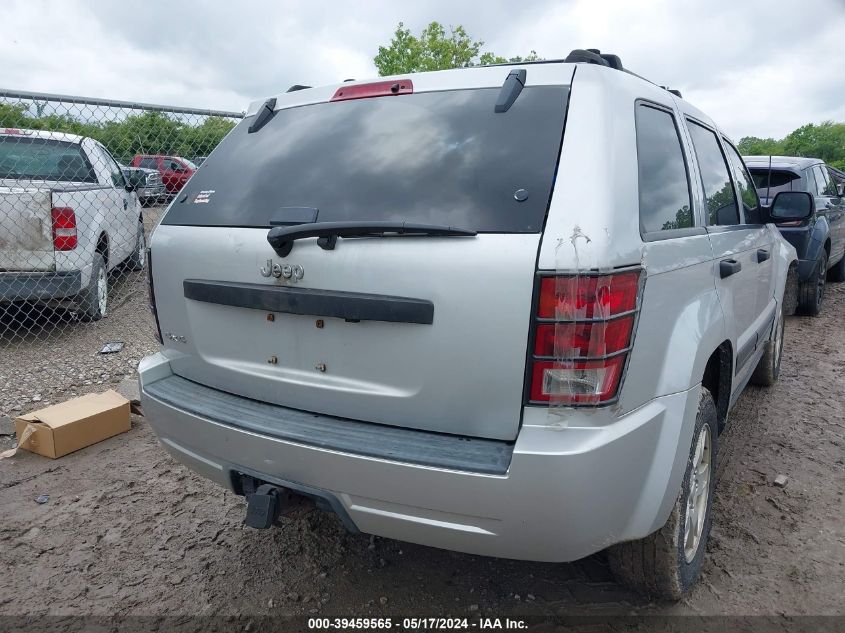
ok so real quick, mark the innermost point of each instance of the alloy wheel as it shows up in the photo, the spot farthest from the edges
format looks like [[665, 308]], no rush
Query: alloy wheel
[[697, 495]]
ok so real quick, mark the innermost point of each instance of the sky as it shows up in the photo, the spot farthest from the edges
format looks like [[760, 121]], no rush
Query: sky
[[757, 67]]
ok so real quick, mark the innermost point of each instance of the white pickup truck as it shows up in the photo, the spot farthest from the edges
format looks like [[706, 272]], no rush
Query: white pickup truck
[[67, 218]]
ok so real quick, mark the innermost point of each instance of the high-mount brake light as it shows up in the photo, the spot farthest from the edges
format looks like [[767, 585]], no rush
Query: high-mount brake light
[[375, 89], [582, 334]]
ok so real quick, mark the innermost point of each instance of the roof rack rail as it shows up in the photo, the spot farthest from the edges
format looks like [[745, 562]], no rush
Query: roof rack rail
[[677, 93], [594, 56]]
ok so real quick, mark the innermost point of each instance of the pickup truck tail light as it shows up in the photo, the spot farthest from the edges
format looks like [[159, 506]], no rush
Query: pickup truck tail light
[[64, 229], [151, 295], [583, 330]]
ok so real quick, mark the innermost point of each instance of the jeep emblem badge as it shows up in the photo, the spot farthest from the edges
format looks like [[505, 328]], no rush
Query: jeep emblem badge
[[278, 271]]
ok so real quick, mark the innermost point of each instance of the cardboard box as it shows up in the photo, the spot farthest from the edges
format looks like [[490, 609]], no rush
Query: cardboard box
[[69, 426]]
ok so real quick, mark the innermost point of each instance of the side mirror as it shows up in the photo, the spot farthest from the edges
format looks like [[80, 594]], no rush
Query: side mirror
[[134, 180], [840, 189], [792, 206]]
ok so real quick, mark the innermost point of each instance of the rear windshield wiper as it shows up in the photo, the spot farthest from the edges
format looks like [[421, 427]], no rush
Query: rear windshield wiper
[[281, 238]]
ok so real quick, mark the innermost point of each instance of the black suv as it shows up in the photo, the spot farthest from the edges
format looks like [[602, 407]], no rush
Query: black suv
[[819, 240]]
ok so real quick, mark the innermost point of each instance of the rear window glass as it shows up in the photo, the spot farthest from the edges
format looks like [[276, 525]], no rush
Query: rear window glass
[[436, 158], [24, 158], [780, 181]]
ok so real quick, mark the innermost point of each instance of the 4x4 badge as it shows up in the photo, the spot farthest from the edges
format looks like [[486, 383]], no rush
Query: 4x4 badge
[[286, 271]]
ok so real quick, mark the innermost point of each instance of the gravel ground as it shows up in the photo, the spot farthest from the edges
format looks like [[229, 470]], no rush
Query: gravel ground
[[128, 531]]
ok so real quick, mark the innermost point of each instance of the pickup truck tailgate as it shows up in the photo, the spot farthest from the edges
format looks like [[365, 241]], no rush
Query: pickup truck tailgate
[[26, 234]]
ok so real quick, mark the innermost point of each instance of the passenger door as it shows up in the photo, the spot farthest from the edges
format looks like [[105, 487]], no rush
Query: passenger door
[[751, 216], [735, 245], [829, 202], [114, 203]]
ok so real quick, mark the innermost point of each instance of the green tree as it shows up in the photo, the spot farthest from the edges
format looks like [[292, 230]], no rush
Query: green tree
[[683, 219], [754, 146], [145, 133], [199, 140], [435, 49], [12, 115], [825, 140]]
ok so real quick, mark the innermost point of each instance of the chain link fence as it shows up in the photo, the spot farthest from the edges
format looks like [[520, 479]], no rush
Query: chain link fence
[[83, 185]]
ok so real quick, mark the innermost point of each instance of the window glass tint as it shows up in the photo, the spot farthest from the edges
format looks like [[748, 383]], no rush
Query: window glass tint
[[431, 157], [149, 163], [780, 180], [747, 191], [108, 163], [718, 191], [23, 158], [823, 181], [664, 189]]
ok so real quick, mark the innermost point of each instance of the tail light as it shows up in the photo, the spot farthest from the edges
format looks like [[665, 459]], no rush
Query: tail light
[[583, 331], [64, 229], [151, 295]]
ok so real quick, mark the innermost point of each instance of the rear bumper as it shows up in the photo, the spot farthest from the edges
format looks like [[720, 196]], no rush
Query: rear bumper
[[34, 286], [566, 493]]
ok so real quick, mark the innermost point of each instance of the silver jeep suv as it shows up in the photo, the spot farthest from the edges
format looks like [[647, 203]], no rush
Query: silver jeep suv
[[501, 310]]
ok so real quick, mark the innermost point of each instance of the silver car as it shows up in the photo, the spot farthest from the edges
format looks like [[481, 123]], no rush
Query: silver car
[[501, 310]]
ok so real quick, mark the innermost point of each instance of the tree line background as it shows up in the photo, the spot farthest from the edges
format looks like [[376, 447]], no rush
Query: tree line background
[[435, 48], [149, 132]]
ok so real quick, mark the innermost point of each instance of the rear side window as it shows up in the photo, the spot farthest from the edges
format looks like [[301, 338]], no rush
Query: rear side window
[[664, 187], [719, 193], [779, 180], [23, 158], [433, 157], [148, 163]]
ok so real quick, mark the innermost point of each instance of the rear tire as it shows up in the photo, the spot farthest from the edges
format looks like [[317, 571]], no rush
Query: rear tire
[[138, 258], [837, 273], [93, 303], [667, 563], [811, 292], [768, 369]]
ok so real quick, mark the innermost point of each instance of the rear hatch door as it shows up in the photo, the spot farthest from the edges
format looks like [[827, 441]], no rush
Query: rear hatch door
[[426, 332]]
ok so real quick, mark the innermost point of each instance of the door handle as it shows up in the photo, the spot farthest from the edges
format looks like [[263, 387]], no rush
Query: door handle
[[728, 267], [762, 255]]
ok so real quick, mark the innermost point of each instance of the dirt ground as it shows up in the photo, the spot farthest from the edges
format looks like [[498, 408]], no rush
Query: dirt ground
[[128, 531]]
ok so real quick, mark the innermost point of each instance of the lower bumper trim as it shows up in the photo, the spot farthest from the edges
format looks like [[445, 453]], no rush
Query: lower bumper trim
[[37, 286], [409, 446]]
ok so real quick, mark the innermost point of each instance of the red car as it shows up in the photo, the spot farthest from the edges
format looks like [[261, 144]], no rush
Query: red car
[[174, 170]]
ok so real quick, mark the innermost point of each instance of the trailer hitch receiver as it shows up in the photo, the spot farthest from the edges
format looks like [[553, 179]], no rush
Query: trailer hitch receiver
[[263, 507]]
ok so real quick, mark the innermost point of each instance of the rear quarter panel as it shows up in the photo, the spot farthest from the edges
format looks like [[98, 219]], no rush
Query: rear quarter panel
[[593, 225]]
